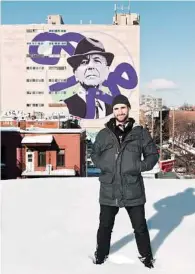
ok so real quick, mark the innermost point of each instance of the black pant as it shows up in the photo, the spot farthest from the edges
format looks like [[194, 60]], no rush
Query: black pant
[[138, 221]]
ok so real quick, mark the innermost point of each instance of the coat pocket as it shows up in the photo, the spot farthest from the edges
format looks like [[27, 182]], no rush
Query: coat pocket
[[132, 187], [107, 159], [106, 186]]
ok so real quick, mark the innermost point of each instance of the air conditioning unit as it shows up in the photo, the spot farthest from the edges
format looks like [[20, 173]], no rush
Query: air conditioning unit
[[135, 22]]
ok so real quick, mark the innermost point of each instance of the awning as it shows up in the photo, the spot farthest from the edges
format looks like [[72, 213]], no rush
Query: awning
[[38, 139]]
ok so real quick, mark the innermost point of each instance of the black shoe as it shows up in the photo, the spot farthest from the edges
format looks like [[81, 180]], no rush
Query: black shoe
[[98, 260], [147, 261]]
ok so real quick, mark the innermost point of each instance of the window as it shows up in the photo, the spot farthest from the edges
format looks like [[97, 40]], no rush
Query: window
[[38, 105], [57, 68], [34, 80], [35, 105], [57, 80], [41, 158], [35, 68], [30, 157], [57, 30], [31, 30], [34, 55], [60, 157], [35, 43], [34, 92]]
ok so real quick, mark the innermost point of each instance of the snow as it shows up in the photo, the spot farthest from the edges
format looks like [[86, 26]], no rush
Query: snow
[[41, 139], [17, 129], [49, 172], [52, 130], [43, 130], [48, 226]]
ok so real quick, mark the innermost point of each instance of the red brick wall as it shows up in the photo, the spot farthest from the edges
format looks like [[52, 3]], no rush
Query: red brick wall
[[12, 123], [70, 143], [183, 115], [43, 124], [24, 124]]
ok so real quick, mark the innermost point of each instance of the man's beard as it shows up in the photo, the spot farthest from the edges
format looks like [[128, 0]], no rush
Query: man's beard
[[122, 119]]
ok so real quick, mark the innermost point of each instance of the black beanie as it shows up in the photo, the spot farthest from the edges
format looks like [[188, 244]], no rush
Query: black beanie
[[120, 99]]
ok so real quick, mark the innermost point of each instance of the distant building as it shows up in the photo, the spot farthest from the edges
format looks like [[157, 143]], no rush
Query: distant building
[[151, 102], [55, 19], [40, 123], [183, 115]]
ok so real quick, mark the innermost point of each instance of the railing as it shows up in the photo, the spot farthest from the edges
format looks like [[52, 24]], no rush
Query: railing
[[20, 165]]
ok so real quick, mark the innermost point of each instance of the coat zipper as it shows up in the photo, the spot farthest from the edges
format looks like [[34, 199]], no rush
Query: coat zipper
[[117, 142], [118, 151]]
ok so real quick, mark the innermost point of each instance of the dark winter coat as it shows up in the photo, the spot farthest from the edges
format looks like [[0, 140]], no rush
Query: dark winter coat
[[121, 182]]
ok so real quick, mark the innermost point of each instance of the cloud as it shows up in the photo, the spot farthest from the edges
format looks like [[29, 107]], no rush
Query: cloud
[[161, 84]]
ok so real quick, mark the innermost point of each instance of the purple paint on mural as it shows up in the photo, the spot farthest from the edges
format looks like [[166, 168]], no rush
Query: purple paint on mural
[[88, 50], [53, 37]]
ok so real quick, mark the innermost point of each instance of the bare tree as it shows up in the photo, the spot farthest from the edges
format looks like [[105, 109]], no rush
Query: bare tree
[[184, 135]]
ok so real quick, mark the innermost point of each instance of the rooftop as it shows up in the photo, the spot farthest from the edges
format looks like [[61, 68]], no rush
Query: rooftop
[[43, 130]]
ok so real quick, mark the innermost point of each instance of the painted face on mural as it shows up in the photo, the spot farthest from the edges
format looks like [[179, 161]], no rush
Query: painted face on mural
[[121, 112], [92, 71]]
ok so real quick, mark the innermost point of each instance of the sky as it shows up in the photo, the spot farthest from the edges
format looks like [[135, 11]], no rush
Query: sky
[[49, 226], [167, 53]]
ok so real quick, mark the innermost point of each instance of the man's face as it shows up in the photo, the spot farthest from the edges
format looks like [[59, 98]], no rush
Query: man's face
[[93, 70], [121, 112]]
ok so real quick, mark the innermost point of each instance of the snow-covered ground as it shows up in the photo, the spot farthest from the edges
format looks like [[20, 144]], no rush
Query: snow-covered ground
[[48, 226]]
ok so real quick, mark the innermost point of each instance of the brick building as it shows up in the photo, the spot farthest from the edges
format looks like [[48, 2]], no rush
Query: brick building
[[42, 152]]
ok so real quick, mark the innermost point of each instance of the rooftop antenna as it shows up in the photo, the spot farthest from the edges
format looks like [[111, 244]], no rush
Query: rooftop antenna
[[115, 8], [122, 8], [129, 7]]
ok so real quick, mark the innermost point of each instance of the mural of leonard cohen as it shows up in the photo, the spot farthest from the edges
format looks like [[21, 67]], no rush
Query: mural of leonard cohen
[[90, 64], [89, 92]]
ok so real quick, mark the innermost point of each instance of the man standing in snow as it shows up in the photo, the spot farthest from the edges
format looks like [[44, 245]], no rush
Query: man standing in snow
[[117, 151]]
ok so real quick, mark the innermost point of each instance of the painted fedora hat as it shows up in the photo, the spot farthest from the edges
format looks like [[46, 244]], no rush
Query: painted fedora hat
[[89, 46]]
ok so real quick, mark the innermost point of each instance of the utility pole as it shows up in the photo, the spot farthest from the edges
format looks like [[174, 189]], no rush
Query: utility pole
[[173, 130], [152, 122], [152, 117], [173, 137], [161, 137], [86, 156]]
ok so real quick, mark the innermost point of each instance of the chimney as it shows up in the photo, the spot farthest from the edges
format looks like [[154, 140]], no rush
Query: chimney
[[22, 124]]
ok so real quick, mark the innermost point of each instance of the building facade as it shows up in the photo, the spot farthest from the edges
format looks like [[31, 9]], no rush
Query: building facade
[[151, 102], [42, 152], [70, 69]]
